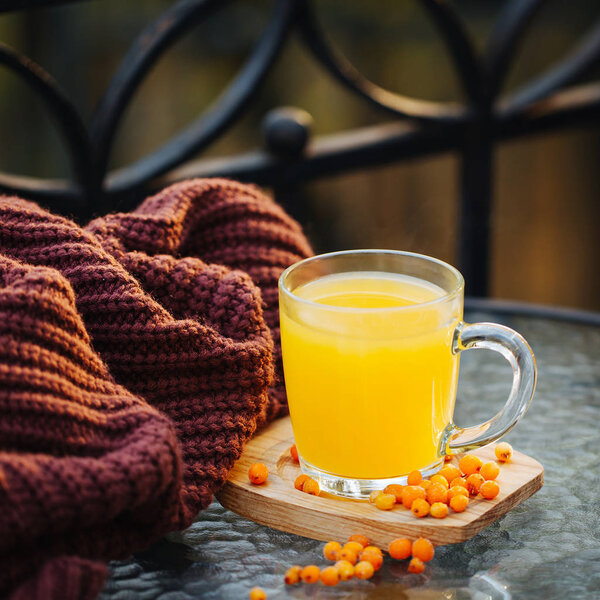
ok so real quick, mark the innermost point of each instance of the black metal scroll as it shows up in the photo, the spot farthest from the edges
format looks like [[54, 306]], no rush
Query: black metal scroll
[[553, 100]]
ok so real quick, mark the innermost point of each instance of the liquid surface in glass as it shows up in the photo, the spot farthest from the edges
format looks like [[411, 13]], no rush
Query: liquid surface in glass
[[370, 388]]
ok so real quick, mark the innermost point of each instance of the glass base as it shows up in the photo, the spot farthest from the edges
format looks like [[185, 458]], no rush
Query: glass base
[[359, 489]]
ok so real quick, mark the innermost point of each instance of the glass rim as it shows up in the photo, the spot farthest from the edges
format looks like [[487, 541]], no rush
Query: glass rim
[[447, 296]]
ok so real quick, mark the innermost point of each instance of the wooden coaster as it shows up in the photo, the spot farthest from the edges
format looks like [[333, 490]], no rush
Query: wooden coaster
[[278, 504]]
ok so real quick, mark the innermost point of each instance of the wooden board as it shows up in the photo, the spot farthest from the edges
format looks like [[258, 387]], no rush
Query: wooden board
[[278, 504]]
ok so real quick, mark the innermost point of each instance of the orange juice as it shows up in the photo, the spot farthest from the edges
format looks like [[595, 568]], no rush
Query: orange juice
[[369, 372]]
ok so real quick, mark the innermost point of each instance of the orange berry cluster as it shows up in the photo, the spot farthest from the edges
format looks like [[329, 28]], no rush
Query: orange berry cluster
[[306, 484], [452, 487], [421, 550], [358, 558]]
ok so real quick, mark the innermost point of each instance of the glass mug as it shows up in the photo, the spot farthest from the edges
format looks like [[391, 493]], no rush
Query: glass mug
[[371, 342]]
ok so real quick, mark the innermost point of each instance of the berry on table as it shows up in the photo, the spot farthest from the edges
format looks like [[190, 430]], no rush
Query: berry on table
[[459, 502], [363, 540], [374, 549], [330, 576], [258, 473], [470, 464], [440, 480], [394, 489], [311, 574], [457, 490], [257, 593], [425, 484], [364, 570], [423, 549], [373, 495], [489, 489], [345, 570], [349, 555], [292, 575], [503, 451], [449, 472], [385, 501], [331, 550], [410, 493], [354, 546], [310, 486], [437, 493], [400, 548], [461, 481], [373, 556], [294, 453], [474, 482], [448, 457], [420, 508], [439, 510], [490, 470], [414, 478], [300, 481], [416, 566]]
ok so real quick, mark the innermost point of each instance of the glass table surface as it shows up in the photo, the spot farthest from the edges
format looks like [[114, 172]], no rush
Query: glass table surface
[[548, 547]]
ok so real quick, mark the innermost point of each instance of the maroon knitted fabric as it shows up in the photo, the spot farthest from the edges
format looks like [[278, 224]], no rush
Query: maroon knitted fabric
[[167, 296]]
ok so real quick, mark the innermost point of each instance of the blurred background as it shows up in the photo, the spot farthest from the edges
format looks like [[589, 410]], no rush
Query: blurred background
[[545, 240]]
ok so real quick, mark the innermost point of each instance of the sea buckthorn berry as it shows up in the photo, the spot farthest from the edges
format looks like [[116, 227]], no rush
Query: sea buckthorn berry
[[416, 565], [311, 574], [300, 481], [414, 478], [364, 570], [410, 493], [257, 593], [310, 486], [448, 457], [374, 549], [294, 453], [423, 549], [258, 473], [457, 490], [440, 480], [489, 489], [461, 481], [349, 555], [373, 495], [345, 569], [503, 451], [400, 548], [437, 493], [385, 501], [449, 472], [470, 464], [420, 508], [363, 540], [395, 489], [459, 502], [375, 558], [439, 510], [354, 546], [490, 470], [330, 576], [425, 484], [331, 550], [474, 483], [292, 575]]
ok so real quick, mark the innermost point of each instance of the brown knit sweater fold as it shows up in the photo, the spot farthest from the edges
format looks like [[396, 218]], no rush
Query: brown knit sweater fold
[[137, 356]]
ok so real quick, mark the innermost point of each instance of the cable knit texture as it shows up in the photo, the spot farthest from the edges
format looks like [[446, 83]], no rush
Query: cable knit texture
[[137, 356]]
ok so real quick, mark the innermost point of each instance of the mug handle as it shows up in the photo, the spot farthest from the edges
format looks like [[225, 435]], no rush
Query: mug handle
[[517, 352]]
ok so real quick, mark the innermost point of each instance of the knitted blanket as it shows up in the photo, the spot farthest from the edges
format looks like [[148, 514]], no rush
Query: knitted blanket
[[137, 356]]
